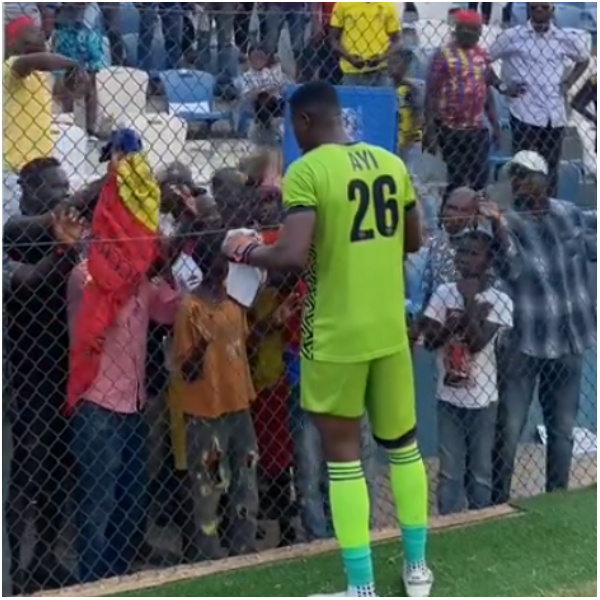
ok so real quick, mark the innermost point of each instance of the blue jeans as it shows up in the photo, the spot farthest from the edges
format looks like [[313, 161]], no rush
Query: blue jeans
[[171, 15], [110, 451], [465, 441], [311, 471], [559, 387], [276, 17], [223, 15]]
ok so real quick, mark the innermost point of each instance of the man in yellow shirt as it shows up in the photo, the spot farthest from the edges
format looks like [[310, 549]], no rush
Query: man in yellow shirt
[[27, 101], [364, 34]]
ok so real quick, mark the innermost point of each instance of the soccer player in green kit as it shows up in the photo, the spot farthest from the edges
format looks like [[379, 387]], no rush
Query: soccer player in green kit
[[351, 215]]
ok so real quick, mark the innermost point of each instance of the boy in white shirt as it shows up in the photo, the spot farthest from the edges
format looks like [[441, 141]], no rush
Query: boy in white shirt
[[461, 324]]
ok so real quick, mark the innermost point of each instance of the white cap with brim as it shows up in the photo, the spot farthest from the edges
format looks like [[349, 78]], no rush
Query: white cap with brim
[[529, 161]]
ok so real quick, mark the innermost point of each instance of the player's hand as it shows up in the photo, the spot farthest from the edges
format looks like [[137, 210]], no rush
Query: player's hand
[[238, 245], [67, 226]]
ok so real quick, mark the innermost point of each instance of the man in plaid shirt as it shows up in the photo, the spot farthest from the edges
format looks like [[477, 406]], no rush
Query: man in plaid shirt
[[547, 274]]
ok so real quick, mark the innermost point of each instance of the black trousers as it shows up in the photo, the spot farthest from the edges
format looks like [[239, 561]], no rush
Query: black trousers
[[466, 153], [547, 141], [486, 9], [39, 477], [241, 26], [319, 61]]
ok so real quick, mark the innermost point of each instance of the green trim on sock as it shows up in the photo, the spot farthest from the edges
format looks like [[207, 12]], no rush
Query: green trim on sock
[[358, 563], [408, 480]]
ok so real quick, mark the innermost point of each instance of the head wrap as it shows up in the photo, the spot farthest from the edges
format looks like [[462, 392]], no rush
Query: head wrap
[[467, 17], [14, 30]]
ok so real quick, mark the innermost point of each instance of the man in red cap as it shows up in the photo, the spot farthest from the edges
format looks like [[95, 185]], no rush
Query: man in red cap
[[459, 98]]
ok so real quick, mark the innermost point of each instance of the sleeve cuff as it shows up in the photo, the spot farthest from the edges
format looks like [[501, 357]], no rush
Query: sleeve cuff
[[300, 209]]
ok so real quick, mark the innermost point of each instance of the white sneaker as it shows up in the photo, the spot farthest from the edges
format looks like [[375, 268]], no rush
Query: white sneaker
[[418, 580]]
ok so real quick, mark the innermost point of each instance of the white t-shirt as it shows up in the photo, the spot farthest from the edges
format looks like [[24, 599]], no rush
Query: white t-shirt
[[465, 380]]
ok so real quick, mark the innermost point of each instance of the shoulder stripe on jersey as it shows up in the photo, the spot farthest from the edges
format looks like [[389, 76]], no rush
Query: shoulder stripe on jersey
[[308, 334]]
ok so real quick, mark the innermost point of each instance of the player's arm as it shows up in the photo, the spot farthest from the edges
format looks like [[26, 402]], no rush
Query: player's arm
[[291, 250], [413, 239]]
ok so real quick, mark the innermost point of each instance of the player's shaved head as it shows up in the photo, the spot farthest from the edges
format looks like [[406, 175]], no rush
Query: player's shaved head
[[317, 115], [315, 96]]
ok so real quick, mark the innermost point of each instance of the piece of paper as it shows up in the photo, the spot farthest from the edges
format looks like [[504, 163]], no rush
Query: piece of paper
[[244, 282]]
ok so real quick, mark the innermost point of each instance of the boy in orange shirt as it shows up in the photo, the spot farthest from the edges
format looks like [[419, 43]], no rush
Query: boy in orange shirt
[[210, 397]]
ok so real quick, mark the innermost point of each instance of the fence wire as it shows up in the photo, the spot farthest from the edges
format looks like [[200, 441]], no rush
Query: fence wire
[[152, 406]]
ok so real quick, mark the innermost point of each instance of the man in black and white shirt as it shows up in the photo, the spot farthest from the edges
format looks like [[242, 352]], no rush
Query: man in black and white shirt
[[547, 275], [540, 63]]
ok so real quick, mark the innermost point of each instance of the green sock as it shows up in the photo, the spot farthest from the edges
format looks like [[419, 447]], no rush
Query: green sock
[[350, 510], [409, 488]]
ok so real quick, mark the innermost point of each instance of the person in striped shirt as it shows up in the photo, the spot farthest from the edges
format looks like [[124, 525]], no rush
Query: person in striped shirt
[[459, 97]]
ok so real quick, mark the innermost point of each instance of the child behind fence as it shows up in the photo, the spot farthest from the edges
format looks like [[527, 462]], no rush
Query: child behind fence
[[461, 323], [210, 397]]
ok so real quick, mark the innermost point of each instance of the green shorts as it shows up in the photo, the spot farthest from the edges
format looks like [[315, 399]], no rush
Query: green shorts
[[383, 388]]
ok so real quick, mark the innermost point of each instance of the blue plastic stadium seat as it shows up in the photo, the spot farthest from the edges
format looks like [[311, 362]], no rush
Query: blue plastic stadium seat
[[190, 95]]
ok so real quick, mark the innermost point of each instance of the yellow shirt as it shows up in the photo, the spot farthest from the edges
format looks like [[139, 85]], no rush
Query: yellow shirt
[[26, 117], [366, 30], [268, 366], [409, 133]]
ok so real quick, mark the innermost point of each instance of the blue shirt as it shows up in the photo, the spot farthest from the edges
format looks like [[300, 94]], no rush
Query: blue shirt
[[77, 41]]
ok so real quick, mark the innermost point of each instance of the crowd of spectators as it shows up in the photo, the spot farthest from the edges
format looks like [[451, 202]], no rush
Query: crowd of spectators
[[193, 417]]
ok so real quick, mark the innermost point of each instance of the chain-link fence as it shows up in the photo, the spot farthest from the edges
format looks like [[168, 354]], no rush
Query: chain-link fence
[[153, 412]]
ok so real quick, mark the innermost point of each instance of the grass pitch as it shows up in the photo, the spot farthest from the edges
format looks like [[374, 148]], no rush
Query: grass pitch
[[550, 550]]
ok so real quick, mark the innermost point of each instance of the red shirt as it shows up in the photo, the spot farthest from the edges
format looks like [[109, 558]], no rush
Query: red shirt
[[294, 324], [326, 12], [458, 78]]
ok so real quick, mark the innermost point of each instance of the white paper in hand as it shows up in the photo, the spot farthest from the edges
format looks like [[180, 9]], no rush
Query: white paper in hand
[[243, 281]]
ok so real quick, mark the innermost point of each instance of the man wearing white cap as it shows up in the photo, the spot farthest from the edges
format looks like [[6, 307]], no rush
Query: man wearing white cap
[[540, 64], [547, 275]]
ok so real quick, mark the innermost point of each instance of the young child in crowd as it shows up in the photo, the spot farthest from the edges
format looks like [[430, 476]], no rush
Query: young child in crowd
[[262, 88], [461, 324], [411, 98], [210, 397], [76, 40]]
